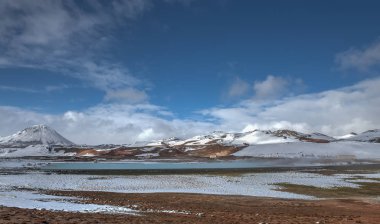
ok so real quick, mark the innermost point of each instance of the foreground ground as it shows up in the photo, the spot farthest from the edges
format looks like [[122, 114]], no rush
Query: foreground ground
[[196, 208], [336, 194]]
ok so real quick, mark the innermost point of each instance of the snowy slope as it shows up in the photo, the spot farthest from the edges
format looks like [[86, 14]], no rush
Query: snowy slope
[[214, 137], [319, 136], [243, 138], [358, 150], [368, 136], [35, 135], [31, 150], [342, 137], [262, 137]]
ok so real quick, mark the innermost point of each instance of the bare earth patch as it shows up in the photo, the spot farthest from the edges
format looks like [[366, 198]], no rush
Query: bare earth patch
[[366, 189], [197, 208]]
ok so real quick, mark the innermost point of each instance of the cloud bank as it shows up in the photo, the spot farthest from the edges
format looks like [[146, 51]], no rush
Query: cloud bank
[[333, 112]]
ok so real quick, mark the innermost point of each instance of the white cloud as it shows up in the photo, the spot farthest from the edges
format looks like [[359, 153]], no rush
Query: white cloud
[[106, 123], [361, 59], [129, 95], [334, 112], [68, 37], [238, 88], [271, 88]]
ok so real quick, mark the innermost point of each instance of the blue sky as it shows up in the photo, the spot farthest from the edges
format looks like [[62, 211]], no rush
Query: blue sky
[[142, 69]]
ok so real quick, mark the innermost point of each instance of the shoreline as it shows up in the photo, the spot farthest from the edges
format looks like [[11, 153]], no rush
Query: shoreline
[[345, 168]]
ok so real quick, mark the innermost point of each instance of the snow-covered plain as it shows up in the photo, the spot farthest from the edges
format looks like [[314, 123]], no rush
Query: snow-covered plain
[[355, 150], [35, 200], [13, 187], [254, 184]]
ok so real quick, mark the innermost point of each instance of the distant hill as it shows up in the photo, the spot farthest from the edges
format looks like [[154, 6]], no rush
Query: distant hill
[[41, 140], [367, 136]]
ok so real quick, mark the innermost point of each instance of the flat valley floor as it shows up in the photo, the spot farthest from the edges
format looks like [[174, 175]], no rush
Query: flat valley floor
[[341, 194], [197, 208]]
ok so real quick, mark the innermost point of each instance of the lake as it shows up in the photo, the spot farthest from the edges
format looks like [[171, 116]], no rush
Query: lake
[[145, 165]]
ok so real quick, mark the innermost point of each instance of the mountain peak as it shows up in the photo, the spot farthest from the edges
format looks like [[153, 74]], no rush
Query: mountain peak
[[38, 127], [35, 135], [41, 126]]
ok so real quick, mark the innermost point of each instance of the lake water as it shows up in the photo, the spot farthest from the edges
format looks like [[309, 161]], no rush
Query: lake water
[[236, 164]]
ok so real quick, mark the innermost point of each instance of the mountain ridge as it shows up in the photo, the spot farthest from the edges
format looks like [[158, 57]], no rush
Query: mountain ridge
[[44, 135], [41, 140]]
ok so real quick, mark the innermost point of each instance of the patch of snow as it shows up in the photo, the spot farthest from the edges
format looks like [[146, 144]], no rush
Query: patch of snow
[[139, 144], [87, 155], [345, 136], [169, 211], [32, 150], [366, 136], [254, 184], [320, 136], [148, 155], [34, 200], [261, 137], [358, 150], [148, 149]]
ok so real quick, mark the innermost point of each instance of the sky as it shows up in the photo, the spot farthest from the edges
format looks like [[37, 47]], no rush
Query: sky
[[122, 71]]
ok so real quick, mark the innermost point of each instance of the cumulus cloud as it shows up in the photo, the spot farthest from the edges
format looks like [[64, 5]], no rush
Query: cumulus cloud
[[238, 88], [276, 87], [106, 123], [364, 59], [333, 112], [271, 88]]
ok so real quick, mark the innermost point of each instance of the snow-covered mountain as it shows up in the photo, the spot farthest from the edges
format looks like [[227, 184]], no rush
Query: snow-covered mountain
[[255, 137], [44, 135], [35, 135], [259, 137], [343, 137], [41, 140], [367, 136], [343, 150]]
